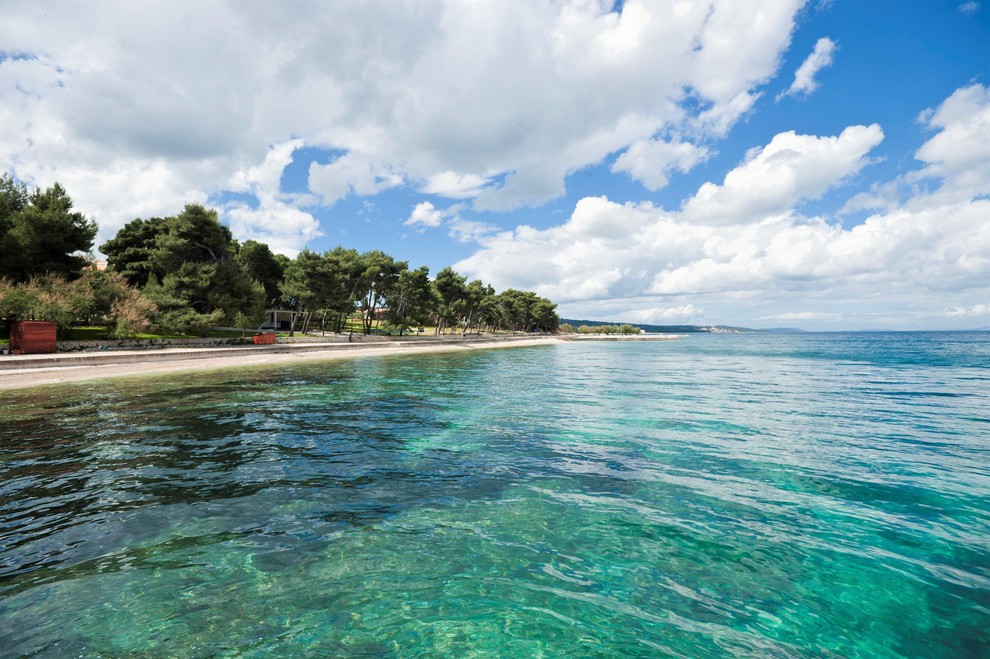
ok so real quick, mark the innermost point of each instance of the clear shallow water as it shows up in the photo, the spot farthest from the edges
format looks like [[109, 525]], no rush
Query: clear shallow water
[[808, 495]]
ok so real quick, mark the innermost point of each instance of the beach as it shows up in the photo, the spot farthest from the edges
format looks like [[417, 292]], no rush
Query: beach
[[21, 372]]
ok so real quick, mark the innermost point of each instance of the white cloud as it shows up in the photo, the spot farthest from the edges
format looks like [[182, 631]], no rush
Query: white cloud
[[742, 251], [466, 231], [651, 161], [969, 7], [275, 219], [425, 214], [775, 178], [454, 185], [804, 78], [284, 228], [446, 96], [968, 312], [718, 119], [351, 173], [926, 256], [662, 315], [960, 152], [265, 179]]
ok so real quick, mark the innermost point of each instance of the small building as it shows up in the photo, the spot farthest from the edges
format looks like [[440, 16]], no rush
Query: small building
[[278, 319]]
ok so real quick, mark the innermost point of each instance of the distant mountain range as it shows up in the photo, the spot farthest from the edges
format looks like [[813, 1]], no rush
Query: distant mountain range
[[662, 329]]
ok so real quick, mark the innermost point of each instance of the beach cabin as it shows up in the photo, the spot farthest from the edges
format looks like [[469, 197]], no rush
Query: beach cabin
[[278, 319]]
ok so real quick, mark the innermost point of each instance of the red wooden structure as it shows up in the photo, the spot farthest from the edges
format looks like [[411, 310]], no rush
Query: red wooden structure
[[29, 337], [264, 339]]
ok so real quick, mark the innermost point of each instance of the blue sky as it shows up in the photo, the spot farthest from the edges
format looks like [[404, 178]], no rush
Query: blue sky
[[762, 163]]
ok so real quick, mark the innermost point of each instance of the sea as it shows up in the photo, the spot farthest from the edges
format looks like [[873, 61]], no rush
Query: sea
[[720, 495]]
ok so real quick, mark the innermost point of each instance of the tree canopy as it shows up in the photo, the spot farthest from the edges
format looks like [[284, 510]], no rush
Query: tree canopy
[[185, 273], [341, 281], [129, 252], [265, 267], [188, 266], [40, 234]]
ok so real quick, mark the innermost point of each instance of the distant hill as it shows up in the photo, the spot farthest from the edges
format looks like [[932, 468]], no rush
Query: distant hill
[[661, 329]]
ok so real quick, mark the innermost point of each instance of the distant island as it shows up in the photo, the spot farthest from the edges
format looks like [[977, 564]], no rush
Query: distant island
[[662, 329]]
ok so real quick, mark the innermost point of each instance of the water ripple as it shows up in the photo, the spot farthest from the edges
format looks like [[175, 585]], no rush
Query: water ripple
[[794, 496]]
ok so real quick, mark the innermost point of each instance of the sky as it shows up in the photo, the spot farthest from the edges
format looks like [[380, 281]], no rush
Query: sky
[[760, 163]]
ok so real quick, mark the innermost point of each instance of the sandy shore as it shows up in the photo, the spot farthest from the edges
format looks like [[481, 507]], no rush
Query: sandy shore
[[21, 378]]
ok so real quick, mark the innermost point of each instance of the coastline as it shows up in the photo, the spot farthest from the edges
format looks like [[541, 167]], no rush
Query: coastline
[[39, 370]]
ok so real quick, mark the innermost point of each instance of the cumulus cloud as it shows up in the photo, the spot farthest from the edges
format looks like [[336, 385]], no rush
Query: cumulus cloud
[[284, 228], [496, 102], [745, 239], [351, 173], [275, 219], [775, 178], [425, 214], [933, 252], [651, 161], [265, 178], [959, 153], [969, 7], [804, 78]]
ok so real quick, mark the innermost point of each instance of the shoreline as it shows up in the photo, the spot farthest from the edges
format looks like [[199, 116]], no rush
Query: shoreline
[[81, 367]]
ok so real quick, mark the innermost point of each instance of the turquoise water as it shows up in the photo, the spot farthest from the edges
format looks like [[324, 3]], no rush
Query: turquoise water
[[778, 496]]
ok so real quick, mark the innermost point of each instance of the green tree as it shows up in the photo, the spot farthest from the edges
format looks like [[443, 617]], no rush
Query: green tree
[[308, 285], [13, 200], [545, 318], [517, 309], [451, 292], [477, 298], [524, 311], [348, 270], [241, 297], [129, 252], [193, 277], [174, 315], [381, 273], [40, 233], [193, 236], [265, 267], [411, 299]]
